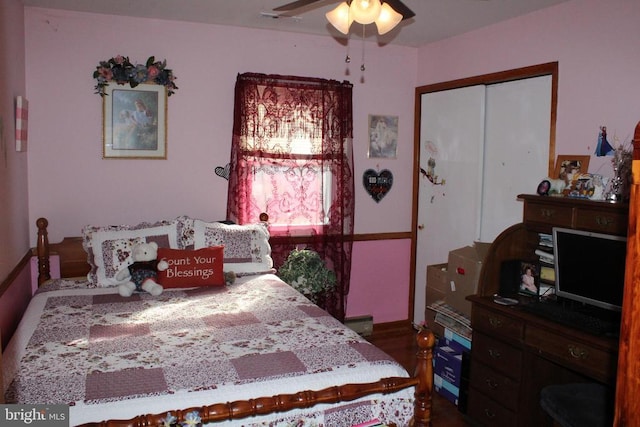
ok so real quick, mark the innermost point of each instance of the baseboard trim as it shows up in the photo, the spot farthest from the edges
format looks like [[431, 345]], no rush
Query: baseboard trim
[[381, 328]]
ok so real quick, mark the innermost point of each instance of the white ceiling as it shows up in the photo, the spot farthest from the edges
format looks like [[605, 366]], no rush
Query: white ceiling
[[434, 20]]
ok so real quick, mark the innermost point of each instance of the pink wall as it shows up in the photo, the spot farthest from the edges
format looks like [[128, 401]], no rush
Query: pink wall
[[14, 208], [379, 268], [66, 137]]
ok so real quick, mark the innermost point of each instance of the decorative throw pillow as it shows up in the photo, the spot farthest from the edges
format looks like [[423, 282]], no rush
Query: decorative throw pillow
[[109, 248], [246, 247], [192, 268]]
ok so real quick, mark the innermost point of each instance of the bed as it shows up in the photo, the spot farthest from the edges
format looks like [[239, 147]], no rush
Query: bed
[[253, 352]]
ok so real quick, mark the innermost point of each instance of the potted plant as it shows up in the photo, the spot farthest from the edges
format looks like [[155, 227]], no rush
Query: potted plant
[[306, 272]]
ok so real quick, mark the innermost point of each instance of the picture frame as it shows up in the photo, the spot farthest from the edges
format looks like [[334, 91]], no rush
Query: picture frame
[[570, 164], [134, 122], [22, 123], [529, 279], [383, 136]]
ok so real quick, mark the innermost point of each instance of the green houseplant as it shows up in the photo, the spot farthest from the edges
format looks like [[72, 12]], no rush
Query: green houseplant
[[306, 272]]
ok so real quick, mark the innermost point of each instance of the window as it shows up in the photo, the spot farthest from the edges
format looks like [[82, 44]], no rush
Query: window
[[292, 158]]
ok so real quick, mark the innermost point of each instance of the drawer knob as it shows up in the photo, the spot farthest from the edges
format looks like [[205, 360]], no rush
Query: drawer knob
[[604, 221], [547, 213], [489, 414], [492, 384], [577, 352], [495, 322], [495, 354]]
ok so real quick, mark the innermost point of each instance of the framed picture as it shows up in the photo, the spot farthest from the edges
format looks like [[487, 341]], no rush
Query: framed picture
[[383, 136], [567, 165], [529, 279], [22, 122], [134, 122]]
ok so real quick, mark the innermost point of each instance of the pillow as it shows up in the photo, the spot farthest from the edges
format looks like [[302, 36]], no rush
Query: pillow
[[109, 248], [191, 268], [246, 247]]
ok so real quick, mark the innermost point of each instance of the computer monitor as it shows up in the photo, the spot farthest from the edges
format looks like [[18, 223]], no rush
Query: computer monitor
[[590, 267]]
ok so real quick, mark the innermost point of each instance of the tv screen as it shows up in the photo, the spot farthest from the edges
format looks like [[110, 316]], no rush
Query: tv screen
[[590, 267]]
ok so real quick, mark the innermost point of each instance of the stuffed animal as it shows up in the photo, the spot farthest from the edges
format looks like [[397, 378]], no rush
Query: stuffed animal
[[141, 275], [229, 277], [557, 186]]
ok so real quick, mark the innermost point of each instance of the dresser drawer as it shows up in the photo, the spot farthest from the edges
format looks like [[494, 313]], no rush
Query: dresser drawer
[[488, 412], [572, 353], [500, 356], [495, 385], [498, 324], [548, 213], [602, 221]]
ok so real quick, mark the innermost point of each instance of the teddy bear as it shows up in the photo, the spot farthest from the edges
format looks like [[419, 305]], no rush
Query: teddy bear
[[141, 274]]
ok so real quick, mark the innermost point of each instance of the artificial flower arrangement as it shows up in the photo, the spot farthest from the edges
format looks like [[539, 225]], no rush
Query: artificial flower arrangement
[[120, 70], [306, 272]]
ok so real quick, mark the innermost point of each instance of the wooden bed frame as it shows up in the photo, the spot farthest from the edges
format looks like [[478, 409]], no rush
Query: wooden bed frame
[[73, 263]]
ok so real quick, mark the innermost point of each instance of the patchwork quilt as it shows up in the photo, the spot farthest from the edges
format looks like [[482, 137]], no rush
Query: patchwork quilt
[[113, 357]]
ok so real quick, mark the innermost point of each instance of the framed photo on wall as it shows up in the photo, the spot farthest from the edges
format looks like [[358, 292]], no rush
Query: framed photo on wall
[[569, 164], [135, 122], [383, 136]]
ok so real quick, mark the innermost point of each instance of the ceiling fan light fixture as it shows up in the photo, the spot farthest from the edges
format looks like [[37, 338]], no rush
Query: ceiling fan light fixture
[[388, 19], [340, 18], [365, 11]]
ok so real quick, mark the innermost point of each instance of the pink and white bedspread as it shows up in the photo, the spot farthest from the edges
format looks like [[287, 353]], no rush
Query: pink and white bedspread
[[113, 357]]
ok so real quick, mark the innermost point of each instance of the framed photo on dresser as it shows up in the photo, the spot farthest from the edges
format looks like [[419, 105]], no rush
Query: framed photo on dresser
[[529, 278]]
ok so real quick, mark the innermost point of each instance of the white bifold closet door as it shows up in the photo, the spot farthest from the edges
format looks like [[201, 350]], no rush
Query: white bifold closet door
[[489, 143]]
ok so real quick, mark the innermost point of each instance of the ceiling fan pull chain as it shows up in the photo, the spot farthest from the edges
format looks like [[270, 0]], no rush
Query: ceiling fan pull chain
[[347, 59], [362, 67]]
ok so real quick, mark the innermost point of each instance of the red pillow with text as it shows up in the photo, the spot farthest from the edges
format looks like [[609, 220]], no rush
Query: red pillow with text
[[192, 268]]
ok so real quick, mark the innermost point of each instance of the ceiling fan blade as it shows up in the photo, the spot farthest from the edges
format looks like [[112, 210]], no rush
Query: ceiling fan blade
[[294, 5], [401, 8]]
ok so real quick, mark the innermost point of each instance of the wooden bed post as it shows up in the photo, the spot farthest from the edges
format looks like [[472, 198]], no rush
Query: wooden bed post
[[628, 383], [424, 373], [42, 251]]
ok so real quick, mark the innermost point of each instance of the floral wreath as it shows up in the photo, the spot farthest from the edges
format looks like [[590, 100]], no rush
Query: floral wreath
[[120, 70]]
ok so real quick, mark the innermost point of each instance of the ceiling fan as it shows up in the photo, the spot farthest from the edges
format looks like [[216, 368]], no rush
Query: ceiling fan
[[397, 5]]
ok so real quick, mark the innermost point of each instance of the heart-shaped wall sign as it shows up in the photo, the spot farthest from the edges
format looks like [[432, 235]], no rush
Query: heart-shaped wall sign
[[377, 184], [223, 172]]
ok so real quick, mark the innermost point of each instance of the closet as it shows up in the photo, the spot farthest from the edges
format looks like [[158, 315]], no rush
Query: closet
[[479, 142]]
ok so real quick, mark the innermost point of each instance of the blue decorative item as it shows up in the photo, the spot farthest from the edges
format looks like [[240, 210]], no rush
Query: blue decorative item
[[603, 148]]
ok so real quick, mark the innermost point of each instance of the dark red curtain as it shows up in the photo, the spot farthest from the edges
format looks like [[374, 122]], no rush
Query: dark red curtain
[[292, 158]]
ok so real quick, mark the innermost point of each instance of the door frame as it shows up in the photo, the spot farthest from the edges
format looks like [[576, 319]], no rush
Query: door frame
[[549, 68]]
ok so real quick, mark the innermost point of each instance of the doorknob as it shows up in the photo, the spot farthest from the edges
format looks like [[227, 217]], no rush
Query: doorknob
[[421, 226]]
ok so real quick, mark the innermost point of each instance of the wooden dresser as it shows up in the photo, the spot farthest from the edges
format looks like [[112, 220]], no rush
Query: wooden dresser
[[516, 353]]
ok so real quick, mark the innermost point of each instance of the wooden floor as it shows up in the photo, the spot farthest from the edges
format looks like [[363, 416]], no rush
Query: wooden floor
[[401, 345]]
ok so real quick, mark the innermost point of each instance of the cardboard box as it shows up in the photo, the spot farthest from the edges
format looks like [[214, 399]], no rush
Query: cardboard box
[[436, 283], [457, 338], [463, 273]]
